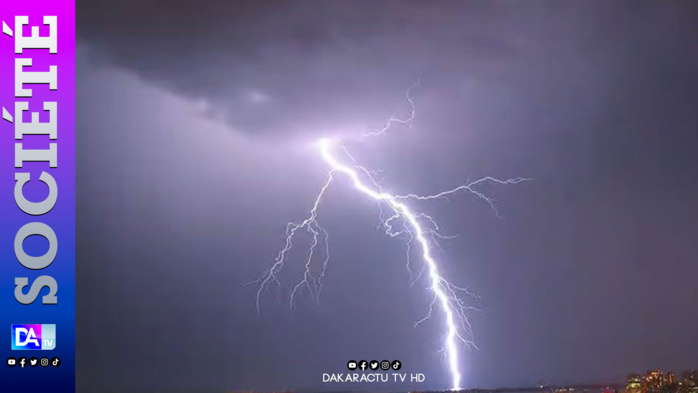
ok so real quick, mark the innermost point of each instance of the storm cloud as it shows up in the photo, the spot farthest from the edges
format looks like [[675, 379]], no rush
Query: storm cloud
[[185, 183], [285, 67]]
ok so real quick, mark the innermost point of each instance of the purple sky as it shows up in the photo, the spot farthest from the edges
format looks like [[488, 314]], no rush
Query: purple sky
[[193, 129]]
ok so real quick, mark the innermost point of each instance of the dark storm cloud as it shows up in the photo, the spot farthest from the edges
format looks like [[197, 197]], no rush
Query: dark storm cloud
[[281, 67], [284, 66], [590, 276], [298, 68]]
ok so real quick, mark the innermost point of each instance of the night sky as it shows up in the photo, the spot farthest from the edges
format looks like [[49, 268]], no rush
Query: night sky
[[194, 125]]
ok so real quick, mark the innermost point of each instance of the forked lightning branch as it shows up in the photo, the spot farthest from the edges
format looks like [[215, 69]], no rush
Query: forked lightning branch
[[401, 221]]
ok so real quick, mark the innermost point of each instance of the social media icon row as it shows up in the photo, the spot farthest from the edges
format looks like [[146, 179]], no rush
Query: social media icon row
[[373, 365], [33, 362]]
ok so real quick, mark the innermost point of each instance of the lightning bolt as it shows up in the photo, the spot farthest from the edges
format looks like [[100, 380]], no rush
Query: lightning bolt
[[417, 227]]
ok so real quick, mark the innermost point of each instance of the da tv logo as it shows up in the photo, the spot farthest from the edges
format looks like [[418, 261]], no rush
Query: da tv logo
[[33, 337]]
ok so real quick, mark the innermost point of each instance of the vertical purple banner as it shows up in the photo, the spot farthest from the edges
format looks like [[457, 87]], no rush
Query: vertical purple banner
[[37, 196]]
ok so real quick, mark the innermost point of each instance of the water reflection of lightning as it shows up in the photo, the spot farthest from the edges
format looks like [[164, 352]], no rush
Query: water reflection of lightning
[[417, 227]]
